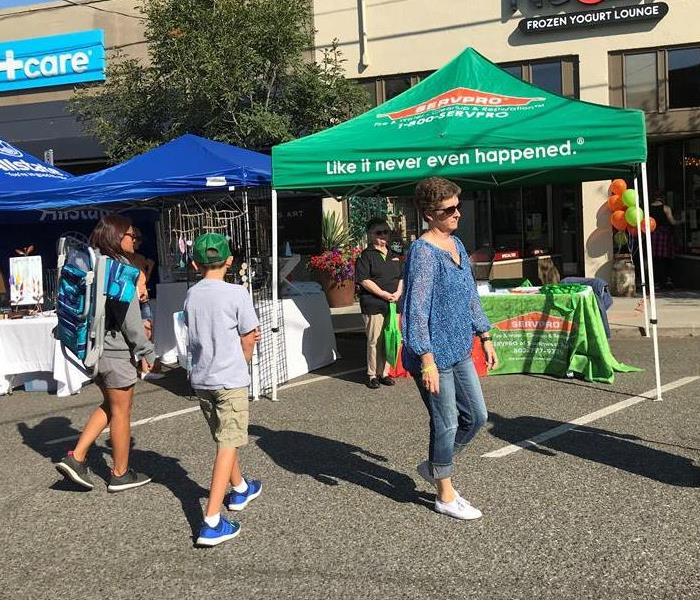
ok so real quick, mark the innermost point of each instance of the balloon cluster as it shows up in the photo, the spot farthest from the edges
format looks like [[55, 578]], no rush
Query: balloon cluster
[[625, 214]]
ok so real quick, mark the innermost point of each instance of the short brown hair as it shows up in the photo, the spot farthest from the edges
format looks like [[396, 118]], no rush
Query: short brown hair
[[432, 191], [108, 233]]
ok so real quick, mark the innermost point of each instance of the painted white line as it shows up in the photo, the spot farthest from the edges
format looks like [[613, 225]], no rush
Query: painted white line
[[594, 416], [185, 411]]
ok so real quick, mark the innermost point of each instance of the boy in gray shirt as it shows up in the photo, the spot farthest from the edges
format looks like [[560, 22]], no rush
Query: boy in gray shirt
[[222, 330]]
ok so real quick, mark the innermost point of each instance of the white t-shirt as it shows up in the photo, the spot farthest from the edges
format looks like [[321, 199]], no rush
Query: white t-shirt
[[217, 315]]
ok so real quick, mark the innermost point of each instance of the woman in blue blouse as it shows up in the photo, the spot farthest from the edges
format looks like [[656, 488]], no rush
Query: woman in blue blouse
[[442, 313]]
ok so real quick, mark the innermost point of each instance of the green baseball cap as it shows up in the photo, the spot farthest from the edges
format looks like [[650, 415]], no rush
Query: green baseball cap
[[211, 248]]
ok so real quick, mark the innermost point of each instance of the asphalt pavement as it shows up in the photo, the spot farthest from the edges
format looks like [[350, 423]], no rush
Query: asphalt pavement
[[608, 509]]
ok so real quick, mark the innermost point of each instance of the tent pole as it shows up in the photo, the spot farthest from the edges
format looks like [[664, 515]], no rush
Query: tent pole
[[255, 361], [641, 262], [652, 293], [275, 298]]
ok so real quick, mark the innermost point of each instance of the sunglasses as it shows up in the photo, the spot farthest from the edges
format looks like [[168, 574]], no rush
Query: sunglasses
[[133, 236], [382, 232], [450, 210]]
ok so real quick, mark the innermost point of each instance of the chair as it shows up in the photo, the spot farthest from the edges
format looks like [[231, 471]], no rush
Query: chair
[[602, 296]]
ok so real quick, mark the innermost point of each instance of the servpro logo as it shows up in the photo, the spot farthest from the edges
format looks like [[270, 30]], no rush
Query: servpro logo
[[535, 321], [460, 97], [461, 103]]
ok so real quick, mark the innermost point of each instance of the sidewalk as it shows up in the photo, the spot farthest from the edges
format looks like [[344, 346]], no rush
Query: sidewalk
[[678, 315]]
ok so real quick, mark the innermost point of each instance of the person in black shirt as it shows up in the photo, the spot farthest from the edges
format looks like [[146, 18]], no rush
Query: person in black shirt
[[662, 242], [379, 273]]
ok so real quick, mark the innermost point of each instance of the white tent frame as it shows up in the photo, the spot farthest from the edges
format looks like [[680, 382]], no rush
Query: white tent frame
[[652, 319]]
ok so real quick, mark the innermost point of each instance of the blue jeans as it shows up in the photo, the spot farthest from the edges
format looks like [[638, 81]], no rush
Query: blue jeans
[[456, 414]]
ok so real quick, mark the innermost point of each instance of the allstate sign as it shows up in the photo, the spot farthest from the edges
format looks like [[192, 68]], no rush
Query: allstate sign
[[50, 61]]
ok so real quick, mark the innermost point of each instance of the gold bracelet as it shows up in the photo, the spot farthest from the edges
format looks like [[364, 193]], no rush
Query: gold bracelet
[[428, 368]]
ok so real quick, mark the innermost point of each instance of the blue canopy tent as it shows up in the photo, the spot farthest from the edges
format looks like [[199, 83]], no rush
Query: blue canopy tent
[[23, 173], [199, 185], [185, 165]]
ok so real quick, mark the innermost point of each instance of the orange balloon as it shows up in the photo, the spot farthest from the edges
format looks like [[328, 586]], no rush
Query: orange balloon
[[652, 224], [632, 231], [617, 187], [615, 203], [617, 220]]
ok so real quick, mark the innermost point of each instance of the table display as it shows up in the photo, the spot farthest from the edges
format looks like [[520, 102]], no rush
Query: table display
[[554, 334], [309, 340], [28, 349]]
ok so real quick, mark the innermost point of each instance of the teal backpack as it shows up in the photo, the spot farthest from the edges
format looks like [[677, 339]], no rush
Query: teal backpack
[[86, 280]]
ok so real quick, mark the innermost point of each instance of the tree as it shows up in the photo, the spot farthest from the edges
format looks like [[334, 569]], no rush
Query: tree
[[229, 70]]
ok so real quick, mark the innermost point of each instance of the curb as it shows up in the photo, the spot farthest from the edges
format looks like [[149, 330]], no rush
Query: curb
[[663, 332]]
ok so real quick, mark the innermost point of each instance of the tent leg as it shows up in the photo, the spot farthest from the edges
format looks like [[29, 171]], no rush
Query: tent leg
[[275, 298], [641, 264], [652, 293], [255, 362]]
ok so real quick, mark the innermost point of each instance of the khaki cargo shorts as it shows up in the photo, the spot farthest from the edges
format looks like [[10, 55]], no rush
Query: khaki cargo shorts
[[226, 412]]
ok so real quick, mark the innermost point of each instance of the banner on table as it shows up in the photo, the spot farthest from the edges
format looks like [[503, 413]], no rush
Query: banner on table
[[531, 341]]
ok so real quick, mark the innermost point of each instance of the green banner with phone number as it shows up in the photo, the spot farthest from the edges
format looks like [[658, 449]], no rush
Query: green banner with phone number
[[553, 334]]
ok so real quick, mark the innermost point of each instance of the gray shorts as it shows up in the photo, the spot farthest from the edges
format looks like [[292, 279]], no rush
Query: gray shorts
[[116, 373]]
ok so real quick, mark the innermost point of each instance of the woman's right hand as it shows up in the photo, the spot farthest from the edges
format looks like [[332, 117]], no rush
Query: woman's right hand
[[431, 381]]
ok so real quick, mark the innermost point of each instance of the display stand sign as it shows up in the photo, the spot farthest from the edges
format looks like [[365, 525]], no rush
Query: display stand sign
[[554, 334], [26, 280]]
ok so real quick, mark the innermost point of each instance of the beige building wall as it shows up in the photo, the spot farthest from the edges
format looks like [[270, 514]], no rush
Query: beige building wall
[[122, 31], [406, 36]]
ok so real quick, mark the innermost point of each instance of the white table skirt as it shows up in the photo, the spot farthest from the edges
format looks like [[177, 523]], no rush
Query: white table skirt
[[309, 339], [28, 348]]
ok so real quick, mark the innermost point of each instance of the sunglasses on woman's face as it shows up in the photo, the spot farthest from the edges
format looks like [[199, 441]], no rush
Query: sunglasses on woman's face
[[133, 236], [450, 210], [381, 232]]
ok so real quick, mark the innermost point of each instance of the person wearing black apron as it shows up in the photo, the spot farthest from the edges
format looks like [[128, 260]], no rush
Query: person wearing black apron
[[379, 273]]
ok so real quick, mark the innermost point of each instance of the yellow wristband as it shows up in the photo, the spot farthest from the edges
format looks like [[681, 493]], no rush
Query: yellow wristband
[[428, 368]]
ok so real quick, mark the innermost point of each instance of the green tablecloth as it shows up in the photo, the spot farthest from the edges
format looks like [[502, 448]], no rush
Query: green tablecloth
[[552, 334]]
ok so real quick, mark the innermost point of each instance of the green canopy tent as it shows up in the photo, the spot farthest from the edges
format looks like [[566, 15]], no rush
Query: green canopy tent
[[477, 125]]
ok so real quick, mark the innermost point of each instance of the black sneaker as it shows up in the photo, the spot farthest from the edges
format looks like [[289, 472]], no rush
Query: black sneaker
[[130, 479], [373, 383], [75, 470], [387, 381]]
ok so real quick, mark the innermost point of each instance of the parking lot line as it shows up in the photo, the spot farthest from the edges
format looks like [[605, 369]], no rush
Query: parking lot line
[[185, 411], [589, 418]]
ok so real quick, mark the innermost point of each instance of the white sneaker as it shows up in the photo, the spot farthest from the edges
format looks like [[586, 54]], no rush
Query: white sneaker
[[459, 508], [424, 471]]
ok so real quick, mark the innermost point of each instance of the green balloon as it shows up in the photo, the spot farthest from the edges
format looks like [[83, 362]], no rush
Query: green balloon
[[634, 215], [629, 198], [620, 238]]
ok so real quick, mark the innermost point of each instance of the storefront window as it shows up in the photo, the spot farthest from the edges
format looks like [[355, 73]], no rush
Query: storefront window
[[371, 88], [684, 78], [692, 196], [393, 86], [507, 211], [641, 81], [514, 70], [535, 218], [676, 174], [547, 76]]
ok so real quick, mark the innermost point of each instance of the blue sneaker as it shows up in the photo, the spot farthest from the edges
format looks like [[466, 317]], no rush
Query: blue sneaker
[[236, 501], [224, 531]]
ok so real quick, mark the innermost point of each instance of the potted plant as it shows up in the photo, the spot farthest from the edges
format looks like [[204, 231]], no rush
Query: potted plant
[[336, 263]]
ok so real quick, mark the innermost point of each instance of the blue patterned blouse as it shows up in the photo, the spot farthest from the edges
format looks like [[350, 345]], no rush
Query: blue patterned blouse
[[442, 309]]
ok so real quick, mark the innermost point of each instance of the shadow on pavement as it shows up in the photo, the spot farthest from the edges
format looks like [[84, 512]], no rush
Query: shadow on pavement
[[620, 451], [164, 470], [331, 461]]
